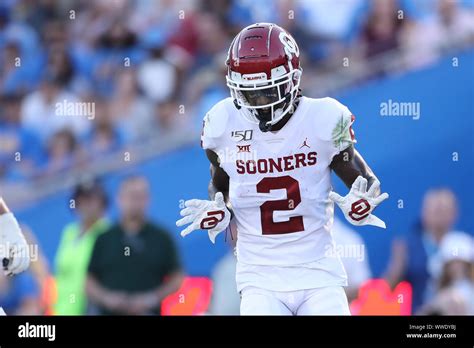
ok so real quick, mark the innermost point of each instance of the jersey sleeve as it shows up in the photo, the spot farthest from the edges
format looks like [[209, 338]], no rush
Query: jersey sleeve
[[333, 124], [213, 127], [208, 142], [342, 134]]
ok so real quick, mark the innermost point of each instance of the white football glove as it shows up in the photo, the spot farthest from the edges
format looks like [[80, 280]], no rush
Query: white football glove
[[14, 251], [212, 216], [359, 203]]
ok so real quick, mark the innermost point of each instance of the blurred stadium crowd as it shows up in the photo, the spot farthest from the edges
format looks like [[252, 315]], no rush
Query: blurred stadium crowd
[[82, 79]]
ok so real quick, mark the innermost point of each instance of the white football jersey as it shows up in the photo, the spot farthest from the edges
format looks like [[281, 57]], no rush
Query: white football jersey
[[280, 181]]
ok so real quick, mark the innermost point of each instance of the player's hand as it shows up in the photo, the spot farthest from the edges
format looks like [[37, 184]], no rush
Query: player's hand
[[14, 251], [212, 216], [359, 203]]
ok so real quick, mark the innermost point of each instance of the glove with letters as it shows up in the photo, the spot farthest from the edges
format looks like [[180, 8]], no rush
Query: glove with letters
[[212, 216], [14, 251], [359, 203]]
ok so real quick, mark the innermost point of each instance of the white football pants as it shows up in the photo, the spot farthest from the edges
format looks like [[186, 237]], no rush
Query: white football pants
[[319, 301]]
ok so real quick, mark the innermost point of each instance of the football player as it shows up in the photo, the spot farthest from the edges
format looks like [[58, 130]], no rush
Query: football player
[[14, 252], [271, 152]]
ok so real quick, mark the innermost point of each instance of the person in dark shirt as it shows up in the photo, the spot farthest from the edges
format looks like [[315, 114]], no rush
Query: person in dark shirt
[[415, 256], [134, 265]]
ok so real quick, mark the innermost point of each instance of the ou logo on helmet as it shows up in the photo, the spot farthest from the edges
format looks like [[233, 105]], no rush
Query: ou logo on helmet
[[290, 45]]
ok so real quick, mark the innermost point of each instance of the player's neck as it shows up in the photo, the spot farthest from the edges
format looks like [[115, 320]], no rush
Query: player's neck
[[280, 124]]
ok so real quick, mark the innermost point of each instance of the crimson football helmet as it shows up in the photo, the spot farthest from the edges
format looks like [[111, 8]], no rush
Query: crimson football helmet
[[264, 73]]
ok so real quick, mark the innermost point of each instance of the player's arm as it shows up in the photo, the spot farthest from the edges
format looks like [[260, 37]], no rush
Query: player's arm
[[364, 194], [212, 215], [397, 264], [349, 164], [219, 179]]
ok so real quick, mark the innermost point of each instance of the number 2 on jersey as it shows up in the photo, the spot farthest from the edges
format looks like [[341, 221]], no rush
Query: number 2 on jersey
[[293, 198]]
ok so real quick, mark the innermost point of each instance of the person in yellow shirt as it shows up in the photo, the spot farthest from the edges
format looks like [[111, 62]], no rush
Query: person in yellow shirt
[[75, 248]]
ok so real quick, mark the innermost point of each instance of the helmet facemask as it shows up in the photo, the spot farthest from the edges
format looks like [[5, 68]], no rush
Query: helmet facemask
[[265, 101]]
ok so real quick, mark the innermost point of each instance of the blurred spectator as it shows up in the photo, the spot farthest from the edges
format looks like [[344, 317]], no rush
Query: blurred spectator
[[55, 34], [94, 18], [183, 44], [76, 245], [20, 149], [17, 31], [59, 65], [415, 257], [324, 26], [104, 137], [19, 295], [451, 26], [207, 88], [132, 114], [42, 13], [455, 294], [382, 29], [245, 12], [354, 257], [134, 265], [159, 15], [116, 48], [15, 75], [169, 119], [157, 76], [48, 110], [329, 19], [225, 297], [213, 37], [63, 152]]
